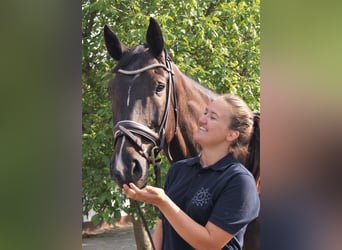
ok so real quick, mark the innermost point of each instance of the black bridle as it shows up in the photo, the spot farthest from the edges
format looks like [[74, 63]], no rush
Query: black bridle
[[132, 129], [135, 131]]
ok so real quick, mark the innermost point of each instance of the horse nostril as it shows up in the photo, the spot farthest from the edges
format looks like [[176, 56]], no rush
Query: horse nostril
[[136, 170]]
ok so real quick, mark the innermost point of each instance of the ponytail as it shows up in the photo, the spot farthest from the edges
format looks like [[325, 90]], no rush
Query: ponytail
[[253, 158]]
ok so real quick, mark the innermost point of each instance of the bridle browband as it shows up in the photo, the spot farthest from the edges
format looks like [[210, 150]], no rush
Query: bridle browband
[[131, 129], [137, 71]]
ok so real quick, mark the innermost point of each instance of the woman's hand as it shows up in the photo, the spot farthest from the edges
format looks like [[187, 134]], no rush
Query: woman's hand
[[209, 236], [149, 194]]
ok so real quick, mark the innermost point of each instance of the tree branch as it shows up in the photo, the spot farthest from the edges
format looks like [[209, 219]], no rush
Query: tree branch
[[210, 9]]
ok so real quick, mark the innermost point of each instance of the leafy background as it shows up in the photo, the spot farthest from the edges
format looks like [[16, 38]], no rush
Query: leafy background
[[217, 43]]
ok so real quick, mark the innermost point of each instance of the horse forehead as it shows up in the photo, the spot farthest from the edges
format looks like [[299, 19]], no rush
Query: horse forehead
[[131, 91], [137, 85], [135, 58], [141, 62]]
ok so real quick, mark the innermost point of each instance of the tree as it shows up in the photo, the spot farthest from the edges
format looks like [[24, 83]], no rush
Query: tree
[[217, 43]]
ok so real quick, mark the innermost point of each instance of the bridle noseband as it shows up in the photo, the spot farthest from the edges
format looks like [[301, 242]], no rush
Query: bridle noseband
[[131, 129]]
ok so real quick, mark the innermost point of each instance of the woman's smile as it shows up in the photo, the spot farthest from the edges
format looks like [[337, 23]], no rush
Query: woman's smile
[[201, 128]]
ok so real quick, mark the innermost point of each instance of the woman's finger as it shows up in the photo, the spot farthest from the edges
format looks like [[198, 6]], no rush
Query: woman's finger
[[129, 191], [133, 186], [151, 190]]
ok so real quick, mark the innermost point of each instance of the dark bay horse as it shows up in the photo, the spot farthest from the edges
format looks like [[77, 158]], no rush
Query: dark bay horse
[[155, 107]]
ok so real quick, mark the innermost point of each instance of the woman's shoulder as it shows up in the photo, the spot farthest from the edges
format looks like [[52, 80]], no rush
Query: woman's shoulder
[[230, 164], [240, 169], [239, 176], [234, 169], [239, 172]]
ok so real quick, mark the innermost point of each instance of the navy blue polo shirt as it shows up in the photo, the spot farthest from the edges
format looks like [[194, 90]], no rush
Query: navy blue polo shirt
[[224, 194]]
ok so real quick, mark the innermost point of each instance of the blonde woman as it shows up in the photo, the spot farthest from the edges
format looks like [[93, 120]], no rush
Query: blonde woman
[[208, 200]]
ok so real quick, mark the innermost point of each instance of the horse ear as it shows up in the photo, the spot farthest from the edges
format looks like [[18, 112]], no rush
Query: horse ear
[[114, 47], [154, 38]]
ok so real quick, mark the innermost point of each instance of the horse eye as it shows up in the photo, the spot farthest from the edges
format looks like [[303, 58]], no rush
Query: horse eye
[[160, 87]]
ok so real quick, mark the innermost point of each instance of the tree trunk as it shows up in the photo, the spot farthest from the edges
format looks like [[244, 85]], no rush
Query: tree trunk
[[141, 237]]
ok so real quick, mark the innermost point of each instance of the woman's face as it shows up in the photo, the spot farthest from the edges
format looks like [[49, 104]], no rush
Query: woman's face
[[213, 124]]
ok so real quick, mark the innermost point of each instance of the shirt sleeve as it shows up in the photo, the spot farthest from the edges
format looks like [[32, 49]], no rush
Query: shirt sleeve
[[237, 205]]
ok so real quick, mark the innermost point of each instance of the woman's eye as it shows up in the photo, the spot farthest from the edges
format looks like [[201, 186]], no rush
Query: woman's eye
[[160, 87]]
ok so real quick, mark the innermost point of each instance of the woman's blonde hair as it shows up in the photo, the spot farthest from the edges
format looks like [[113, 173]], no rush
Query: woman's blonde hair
[[242, 121]]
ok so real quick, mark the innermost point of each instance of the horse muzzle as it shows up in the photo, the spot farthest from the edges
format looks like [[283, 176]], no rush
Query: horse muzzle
[[133, 169]]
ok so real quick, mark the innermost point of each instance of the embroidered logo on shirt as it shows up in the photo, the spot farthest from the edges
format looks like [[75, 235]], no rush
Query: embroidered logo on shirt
[[201, 198]]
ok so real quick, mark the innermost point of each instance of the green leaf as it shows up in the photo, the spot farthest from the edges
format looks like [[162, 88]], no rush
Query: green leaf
[[96, 219], [117, 214]]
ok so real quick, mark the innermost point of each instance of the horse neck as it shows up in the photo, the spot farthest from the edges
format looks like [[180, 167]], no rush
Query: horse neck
[[192, 98]]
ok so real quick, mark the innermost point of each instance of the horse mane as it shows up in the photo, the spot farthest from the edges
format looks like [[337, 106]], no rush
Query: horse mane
[[202, 89]]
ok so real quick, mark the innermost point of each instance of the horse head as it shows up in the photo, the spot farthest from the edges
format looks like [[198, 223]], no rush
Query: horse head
[[141, 95]]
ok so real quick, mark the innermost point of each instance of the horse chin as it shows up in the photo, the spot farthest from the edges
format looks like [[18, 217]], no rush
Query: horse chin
[[141, 183]]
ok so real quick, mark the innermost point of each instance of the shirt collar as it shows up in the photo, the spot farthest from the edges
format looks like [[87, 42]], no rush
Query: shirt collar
[[220, 165]]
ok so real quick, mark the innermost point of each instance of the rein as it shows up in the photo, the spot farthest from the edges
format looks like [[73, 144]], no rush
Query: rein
[[131, 129]]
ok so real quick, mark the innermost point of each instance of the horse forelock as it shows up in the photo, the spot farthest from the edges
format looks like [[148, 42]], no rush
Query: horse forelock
[[137, 53], [130, 56]]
